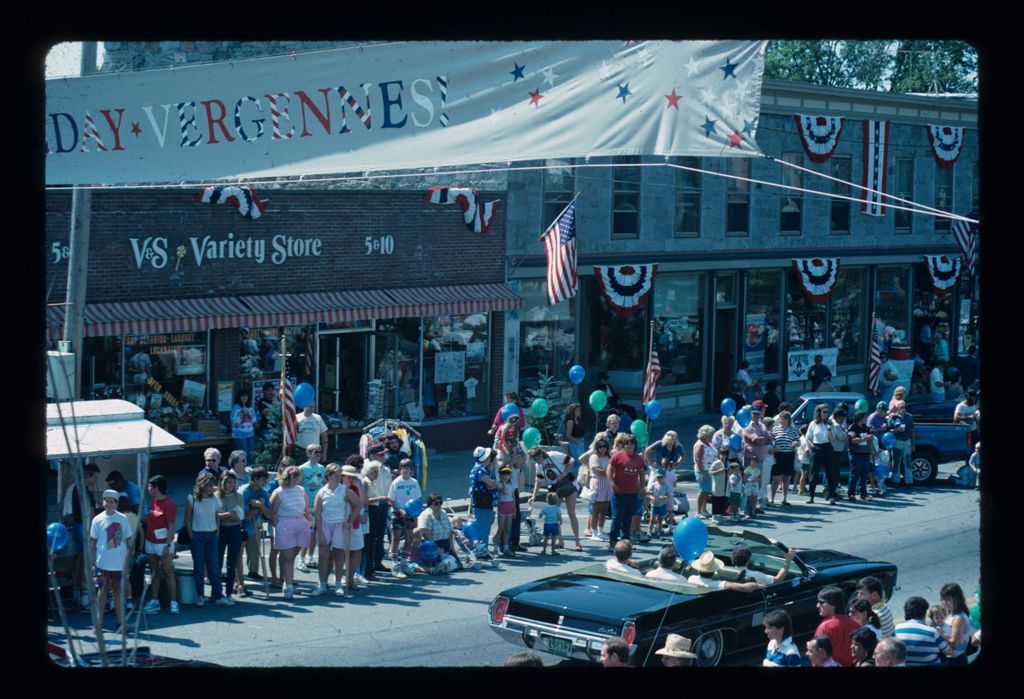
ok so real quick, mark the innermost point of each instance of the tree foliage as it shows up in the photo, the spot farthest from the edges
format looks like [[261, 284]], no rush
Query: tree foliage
[[886, 65]]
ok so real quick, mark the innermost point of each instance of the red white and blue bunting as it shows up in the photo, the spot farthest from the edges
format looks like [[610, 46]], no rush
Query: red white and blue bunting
[[242, 198], [947, 142], [943, 270], [820, 135], [876, 155], [477, 214], [817, 276], [625, 287]]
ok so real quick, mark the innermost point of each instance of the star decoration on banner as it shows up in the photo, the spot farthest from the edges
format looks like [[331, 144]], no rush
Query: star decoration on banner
[[643, 57], [605, 71], [494, 116], [728, 69], [535, 97], [707, 96], [136, 129], [729, 103], [673, 100], [517, 73], [691, 67], [623, 92], [735, 140], [550, 75], [749, 126], [709, 126]]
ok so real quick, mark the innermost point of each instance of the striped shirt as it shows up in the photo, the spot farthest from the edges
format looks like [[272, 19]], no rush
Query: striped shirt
[[923, 642], [783, 438], [785, 655], [884, 619]]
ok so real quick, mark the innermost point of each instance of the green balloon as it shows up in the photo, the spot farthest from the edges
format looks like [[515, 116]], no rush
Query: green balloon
[[639, 428], [598, 399], [531, 437], [641, 440], [539, 408], [861, 404]]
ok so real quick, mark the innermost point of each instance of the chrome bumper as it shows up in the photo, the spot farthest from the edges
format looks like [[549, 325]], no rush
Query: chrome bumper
[[586, 645]]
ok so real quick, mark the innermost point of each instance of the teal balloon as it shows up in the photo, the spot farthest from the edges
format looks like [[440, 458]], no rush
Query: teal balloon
[[743, 417], [531, 437], [641, 440], [304, 394], [728, 407], [56, 536], [539, 408], [862, 404], [598, 399], [690, 538], [577, 374], [653, 409], [638, 427]]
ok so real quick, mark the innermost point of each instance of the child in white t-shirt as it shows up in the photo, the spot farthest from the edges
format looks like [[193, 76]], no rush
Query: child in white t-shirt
[[551, 515], [735, 490], [751, 489], [804, 456], [658, 494], [975, 464]]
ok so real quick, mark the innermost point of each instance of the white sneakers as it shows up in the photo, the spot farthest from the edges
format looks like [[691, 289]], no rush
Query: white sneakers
[[225, 601], [320, 590], [339, 590], [151, 607], [174, 607], [358, 579], [301, 565], [200, 601], [289, 591]]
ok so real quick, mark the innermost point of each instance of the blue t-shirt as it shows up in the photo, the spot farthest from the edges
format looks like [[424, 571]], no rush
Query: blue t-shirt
[[786, 655], [248, 494], [550, 514]]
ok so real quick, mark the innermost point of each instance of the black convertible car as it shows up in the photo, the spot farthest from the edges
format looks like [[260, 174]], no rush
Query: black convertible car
[[571, 614]]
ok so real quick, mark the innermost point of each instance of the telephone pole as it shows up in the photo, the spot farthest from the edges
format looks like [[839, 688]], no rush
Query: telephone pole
[[78, 259]]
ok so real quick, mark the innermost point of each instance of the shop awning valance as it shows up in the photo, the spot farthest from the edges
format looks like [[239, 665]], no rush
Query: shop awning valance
[[189, 315]]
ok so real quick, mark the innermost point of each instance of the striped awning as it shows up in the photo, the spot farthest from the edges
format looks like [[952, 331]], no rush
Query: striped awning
[[188, 315]]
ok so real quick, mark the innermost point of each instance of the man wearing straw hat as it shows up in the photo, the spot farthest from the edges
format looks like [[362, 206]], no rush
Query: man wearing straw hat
[[676, 652], [706, 565]]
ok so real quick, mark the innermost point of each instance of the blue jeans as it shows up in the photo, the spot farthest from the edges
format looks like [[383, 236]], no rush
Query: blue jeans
[[484, 519], [246, 444], [230, 541], [623, 507], [901, 462], [204, 558], [517, 518], [859, 473]]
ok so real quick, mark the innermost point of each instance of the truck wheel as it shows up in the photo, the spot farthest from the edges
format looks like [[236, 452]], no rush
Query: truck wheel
[[709, 648], [925, 467]]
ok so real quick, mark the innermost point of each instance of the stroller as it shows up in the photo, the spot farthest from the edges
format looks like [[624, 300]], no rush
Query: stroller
[[467, 551], [535, 537]]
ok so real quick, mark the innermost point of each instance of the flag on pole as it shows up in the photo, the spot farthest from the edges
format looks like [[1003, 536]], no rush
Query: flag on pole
[[651, 376], [966, 236], [560, 248], [875, 359], [289, 427], [309, 357]]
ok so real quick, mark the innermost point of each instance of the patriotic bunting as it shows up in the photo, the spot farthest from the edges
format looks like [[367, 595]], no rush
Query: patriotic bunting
[[820, 135], [626, 287], [817, 276], [966, 236], [876, 155], [651, 376], [476, 213], [947, 142], [242, 198], [943, 272]]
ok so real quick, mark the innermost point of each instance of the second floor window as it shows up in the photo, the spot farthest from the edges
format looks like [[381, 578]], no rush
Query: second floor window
[[791, 202], [558, 186], [687, 218], [903, 187], [625, 198], [839, 215], [943, 196], [737, 197]]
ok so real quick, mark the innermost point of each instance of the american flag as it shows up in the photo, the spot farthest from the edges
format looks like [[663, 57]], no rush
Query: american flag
[[289, 427], [560, 247], [651, 376], [310, 351], [966, 236], [874, 360]]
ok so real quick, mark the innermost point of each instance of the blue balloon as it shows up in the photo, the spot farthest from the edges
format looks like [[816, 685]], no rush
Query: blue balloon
[[653, 409], [56, 536], [577, 374], [304, 395], [735, 442], [472, 531], [413, 508], [508, 410], [429, 553], [888, 440], [728, 407], [690, 538], [881, 472], [743, 417]]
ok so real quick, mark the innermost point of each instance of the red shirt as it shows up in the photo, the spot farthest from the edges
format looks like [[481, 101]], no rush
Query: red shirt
[[628, 470], [162, 514], [838, 629]]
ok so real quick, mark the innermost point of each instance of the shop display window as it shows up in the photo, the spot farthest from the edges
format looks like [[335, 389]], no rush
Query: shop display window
[[932, 320], [167, 375], [396, 369], [616, 343], [679, 327], [547, 335], [763, 321], [101, 367], [892, 306], [455, 351], [805, 321], [848, 320]]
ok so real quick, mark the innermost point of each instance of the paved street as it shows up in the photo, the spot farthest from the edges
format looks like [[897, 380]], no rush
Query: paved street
[[932, 535]]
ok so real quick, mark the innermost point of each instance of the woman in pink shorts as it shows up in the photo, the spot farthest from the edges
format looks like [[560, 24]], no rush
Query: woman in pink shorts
[[330, 510], [352, 537], [290, 512]]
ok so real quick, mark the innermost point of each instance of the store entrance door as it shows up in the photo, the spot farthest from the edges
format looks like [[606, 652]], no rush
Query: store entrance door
[[725, 354], [343, 371]]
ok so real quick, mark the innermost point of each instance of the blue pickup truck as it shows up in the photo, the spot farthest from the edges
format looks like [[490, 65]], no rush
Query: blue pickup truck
[[937, 438]]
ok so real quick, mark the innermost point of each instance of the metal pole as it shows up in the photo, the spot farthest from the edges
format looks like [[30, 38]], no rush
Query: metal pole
[[78, 259]]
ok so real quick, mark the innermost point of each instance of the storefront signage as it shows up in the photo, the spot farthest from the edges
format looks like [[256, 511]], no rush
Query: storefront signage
[[155, 385], [800, 361], [153, 251], [384, 245]]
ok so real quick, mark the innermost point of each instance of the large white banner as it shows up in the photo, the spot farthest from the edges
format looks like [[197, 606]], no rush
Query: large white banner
[[404, 105]]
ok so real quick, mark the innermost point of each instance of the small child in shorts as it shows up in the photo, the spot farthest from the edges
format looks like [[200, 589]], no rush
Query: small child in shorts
[[975, 464], [720, 485], [735, 490], [658, 493], [804, 456], [751, 489], [551, 515]]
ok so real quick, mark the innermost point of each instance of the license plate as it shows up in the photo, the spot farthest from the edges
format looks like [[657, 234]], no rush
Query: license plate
[[559, 646]]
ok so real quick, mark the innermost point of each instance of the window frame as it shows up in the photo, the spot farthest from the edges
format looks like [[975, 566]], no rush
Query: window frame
[[684, 193], [900, 215], [795, 178], [618, 191], [737, 194], [941, 224], [548, 202], [836, 205]]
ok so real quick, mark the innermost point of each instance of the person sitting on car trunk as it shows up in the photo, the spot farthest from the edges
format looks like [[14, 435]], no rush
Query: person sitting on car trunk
[[622, 561], [706, 565], [741, 557]]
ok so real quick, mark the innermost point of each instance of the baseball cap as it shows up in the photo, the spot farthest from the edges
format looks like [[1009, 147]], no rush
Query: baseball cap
[[881, 405], [111, 494], [91, 468], [659, 472], [757, 406]]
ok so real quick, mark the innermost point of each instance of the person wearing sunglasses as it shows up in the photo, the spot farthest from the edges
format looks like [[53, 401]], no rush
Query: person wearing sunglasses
[[600, 500]]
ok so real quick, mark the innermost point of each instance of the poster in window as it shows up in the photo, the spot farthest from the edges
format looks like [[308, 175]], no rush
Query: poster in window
[[191, 360], [193, 392], [226, 395], [754, 343], [450, 367], [800, 361], [475, 353]]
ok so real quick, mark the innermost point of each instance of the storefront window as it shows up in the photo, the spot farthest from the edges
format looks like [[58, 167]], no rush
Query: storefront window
[[547, 335], [763, 320], [892, 305], [166, 375], [932, 320], [260, 353], [101, 367], [455, 365], [397, 365], [805, 321], [616, 343], [848, 316], [678, 327]]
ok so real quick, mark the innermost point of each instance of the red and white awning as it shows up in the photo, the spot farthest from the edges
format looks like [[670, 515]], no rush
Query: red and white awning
[[325, 307], [471, 298], [152, 317]]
